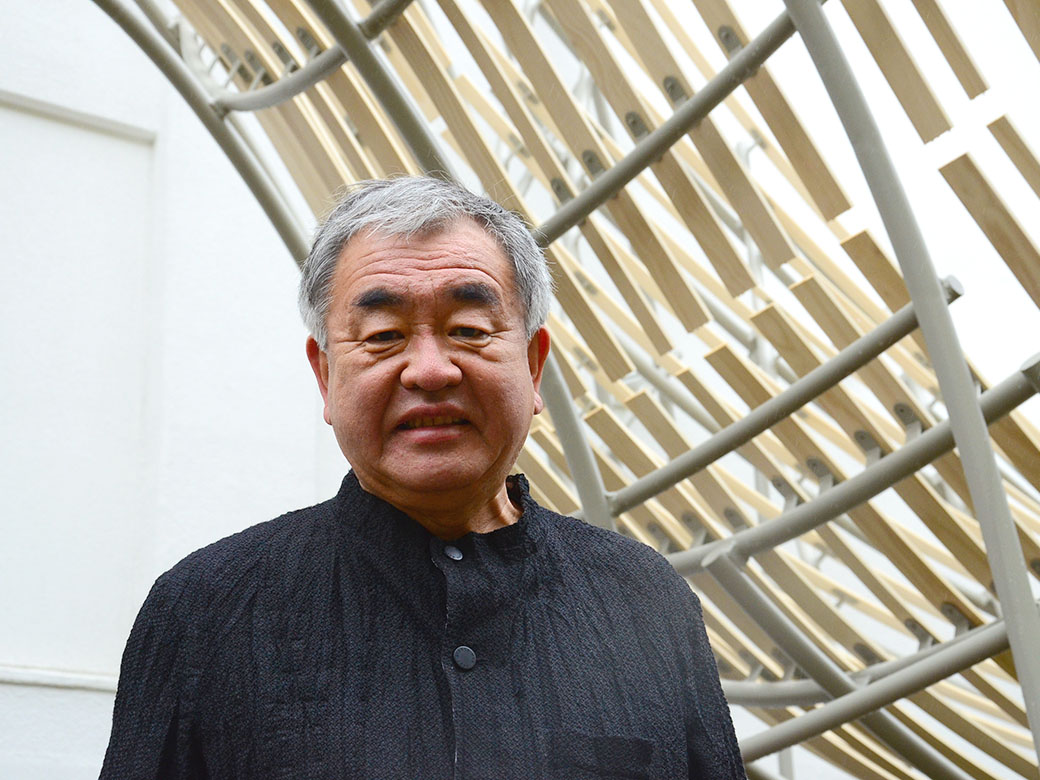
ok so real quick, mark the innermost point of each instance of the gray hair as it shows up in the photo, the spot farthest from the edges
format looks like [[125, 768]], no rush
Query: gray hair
[[408, 206]]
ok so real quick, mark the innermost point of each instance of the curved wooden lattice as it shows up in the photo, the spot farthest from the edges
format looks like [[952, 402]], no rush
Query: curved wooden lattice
[[696, 293]]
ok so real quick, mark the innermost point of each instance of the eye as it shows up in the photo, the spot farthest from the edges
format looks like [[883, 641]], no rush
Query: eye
[[467, 333], [384, 337]]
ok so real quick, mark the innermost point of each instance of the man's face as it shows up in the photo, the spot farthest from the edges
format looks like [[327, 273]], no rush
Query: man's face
[[429, 381]]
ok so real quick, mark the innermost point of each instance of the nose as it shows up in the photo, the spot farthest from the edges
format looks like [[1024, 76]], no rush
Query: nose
[[428, 364]]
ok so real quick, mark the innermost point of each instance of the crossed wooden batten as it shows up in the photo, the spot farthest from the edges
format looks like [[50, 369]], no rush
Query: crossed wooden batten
[[738, 380]]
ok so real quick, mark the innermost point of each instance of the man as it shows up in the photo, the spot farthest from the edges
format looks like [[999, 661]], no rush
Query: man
[[430, 621]]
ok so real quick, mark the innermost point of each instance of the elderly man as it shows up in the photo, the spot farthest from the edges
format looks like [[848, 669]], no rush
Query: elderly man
[[431, 620]]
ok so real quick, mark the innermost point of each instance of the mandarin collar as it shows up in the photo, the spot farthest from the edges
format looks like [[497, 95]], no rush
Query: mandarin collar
[[377, 523]]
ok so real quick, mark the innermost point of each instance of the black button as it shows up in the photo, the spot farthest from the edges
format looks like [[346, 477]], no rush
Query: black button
[[464, 657], [453, 552]]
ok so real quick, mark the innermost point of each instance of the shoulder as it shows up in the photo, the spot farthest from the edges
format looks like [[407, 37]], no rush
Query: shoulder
[[237, 565], [611, 556], [598, 543]]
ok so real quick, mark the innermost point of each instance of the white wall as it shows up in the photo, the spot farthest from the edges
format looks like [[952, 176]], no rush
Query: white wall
[[155, 392]]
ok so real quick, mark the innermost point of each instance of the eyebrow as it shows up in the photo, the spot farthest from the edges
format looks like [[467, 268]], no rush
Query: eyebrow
[[475, 292], [378, 298], [467, 292]]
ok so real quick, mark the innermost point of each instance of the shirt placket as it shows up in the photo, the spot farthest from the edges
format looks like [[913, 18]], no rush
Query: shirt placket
[[458, 656]]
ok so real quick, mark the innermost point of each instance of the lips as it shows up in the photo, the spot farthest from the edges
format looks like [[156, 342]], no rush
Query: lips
[[432, 422]]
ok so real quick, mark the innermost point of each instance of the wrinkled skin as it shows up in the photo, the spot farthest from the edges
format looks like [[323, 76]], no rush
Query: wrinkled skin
[[429, 381]]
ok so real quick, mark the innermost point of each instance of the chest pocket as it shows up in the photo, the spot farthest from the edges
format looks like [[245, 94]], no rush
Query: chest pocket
[[581, 756]]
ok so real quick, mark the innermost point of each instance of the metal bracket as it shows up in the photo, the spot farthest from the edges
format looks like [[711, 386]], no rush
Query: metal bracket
[[261, 76], [308, 41], [924, 637], [229, 54], [351, 125], [789, 666], [823, 474], [867, 653], [869, 445], [382, 15], [735, 518], [284, 55], [954, 615], [756, 669], [783, 487], [730, 40], [233, 61], [700, 533], [592, 163], [909, 419], [636, 125], [560, 189], [674, 89], [585, 282]]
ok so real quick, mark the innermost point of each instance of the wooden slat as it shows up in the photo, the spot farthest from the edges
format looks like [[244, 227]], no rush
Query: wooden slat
[[579, 136], [774, 151], [890, 540], [781, 119], [327, 124], [535, 141], [899, 68], [307, 173], [350, 96], [960, 534], [1009, 432], [441, 91], [1017, 150], [867, 575], [557, 495], [610, 429], [1004, 232], [743, 196], [1026, 16], [574, 301], [883, 383], [1020, 443], [875, 265], [764, 452], [951, 46], [821, 262], [448, 101], [299, 113], [677, 183], [887, 281], [637, 457], [969, 731], [846, 410]]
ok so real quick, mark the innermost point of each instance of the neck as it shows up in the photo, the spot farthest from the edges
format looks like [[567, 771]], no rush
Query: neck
[[451, 518]]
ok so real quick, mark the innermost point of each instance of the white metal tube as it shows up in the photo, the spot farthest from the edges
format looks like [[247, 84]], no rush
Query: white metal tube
[[1003, 547], [576, 449]]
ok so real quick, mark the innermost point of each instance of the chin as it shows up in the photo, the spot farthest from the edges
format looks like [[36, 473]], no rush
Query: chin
[[435, 481], [439, 476]]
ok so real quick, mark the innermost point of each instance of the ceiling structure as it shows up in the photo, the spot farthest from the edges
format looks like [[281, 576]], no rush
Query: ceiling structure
[[776, 401]]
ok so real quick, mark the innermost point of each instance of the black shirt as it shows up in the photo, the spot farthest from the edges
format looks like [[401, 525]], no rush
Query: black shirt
[[345, 641]]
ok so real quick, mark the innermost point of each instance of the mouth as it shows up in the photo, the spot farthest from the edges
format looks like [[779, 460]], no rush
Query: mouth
[[431, 422]]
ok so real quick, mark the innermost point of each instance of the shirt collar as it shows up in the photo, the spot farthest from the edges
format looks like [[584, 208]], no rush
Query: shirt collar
[[374, 522]]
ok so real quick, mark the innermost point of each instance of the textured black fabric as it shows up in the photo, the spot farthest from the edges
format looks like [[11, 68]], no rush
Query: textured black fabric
[[321, 645]]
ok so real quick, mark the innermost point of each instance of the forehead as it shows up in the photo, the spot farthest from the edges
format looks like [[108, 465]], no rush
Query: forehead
[[460, 252]]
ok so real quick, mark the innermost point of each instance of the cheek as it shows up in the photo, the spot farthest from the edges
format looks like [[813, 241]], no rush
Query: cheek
[[513, 396], [358, 399]]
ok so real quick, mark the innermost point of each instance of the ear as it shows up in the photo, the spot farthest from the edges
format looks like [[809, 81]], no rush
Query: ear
[[537, 352], [320, 365]]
